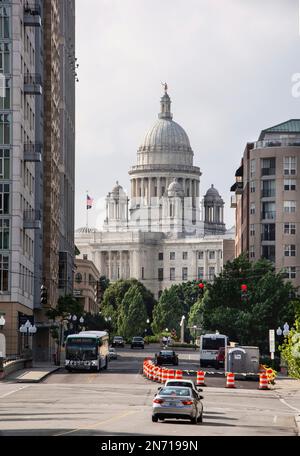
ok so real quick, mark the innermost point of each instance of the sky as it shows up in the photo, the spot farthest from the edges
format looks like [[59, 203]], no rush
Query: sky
[[229, 66]]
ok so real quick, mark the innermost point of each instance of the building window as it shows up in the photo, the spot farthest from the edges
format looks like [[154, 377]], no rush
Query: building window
[[184, 273], [252, 252], [4, 164], [290, 250], [200, 273], [4, 260], [289, 228], [212, 255], [252, 186], [211, 273], [84, 256], [289, 206], [252, 229], [160, 274], [78, 277], [268, 232], [252, 208], [290, 272], [143, 273], [184, 255], [172, 255], [268, 252], [289, 184], [268, 188], [4, 22], [4, 198], [268, 166], [200, 255], [4, 92], [5, 128], [160, 256], [4, 58], [268, 210], [289, 166], [252, 168], [172, 273], [4, 234]]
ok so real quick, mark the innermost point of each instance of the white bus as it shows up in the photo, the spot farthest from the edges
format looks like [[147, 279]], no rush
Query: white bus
[[209, 347], [87, 350]]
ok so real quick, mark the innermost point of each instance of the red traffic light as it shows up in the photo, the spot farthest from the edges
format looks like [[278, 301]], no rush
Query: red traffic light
[[244, 288], [201, 285]]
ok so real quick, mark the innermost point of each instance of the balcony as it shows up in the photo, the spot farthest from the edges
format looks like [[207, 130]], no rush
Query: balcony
[[32, 15], [32, 220], [33, 152], [33, 84], [268, 193], [286, 142], [268, 215]]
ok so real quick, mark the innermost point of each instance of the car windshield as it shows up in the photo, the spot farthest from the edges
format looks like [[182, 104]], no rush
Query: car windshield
[[175, 392], [166, 353], [118, 338], [138, 339], [212, 343]]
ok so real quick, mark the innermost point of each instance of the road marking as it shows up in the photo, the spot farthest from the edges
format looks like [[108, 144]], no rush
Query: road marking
[[14, 391], [96, 424], [288, 405]]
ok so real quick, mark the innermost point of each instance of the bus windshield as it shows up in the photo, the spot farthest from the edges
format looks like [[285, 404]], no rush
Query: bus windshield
[[82, 349], [213, 344]]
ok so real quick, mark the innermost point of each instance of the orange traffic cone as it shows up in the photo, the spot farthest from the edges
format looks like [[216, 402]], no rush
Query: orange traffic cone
[[230, 380], [263, 382], [200, 378]]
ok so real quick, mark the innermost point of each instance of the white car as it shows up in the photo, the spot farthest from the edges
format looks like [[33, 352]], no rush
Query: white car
[[112, 354], [184, 382]]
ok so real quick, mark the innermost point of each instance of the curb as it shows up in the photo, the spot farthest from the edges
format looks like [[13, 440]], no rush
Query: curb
[[38, 380]]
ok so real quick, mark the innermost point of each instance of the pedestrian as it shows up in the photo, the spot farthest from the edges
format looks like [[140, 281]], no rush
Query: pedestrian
[[169, 340], [164, 340]]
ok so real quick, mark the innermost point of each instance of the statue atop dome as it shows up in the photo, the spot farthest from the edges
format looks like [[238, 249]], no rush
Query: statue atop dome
[[165, 86]]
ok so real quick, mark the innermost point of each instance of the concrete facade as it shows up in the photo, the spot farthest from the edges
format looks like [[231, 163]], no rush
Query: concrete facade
[[86, 280]]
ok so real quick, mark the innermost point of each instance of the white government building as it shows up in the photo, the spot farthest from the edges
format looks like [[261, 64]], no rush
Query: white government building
[[162, 235]]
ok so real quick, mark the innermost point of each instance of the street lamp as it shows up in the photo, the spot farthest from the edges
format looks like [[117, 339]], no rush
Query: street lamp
[[182, 329], [285, 332], [29, 330]]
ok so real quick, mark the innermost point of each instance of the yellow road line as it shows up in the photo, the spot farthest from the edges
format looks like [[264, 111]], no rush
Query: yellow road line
[[96, 424]]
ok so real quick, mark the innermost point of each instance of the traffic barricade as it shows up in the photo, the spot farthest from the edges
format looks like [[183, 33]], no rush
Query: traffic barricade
[[178, 375], [263, 382], [230, 380], [200, 378], [171, 374], [165, 375]]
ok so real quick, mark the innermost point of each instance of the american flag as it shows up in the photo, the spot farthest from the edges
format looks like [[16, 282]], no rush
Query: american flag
[[89, 202]]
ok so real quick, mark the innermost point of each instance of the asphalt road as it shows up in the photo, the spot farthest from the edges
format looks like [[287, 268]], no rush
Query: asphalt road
[[118, 403]]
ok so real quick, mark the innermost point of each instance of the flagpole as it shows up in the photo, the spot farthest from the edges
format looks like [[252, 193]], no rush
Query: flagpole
[[87, 211]]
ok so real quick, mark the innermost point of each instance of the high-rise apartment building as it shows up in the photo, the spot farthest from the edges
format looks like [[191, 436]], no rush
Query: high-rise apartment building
[[267, 198], [35, 160]]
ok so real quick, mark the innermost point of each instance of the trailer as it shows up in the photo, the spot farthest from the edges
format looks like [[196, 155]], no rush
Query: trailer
[[243, 361]]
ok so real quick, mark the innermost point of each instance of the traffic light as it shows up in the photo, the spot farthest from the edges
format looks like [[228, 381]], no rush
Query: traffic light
[[44, 295], [201, 288], [244, 292]]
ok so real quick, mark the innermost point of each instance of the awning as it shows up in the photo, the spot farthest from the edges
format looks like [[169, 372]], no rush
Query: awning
[[239, 172]]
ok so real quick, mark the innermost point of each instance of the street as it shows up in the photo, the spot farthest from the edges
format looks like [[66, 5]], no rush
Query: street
[[118, 403]]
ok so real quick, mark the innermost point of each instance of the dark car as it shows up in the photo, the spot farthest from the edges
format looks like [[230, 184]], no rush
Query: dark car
[[166, 357], [137, 342], [118, 341], [220, 359]]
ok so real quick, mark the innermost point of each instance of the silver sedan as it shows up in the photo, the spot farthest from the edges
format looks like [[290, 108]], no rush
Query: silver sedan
[[177, 402]]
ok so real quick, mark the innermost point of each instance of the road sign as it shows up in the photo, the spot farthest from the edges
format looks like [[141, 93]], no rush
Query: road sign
[[272, 340]]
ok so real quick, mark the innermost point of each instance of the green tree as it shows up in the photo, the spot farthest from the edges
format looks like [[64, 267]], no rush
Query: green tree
[[196, 314], [133, 315], [248, 321], [168, 311], [66, 305], [290, 349]]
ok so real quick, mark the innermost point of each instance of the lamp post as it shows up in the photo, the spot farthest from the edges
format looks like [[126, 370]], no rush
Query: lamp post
[[29, 330], [182, 329]]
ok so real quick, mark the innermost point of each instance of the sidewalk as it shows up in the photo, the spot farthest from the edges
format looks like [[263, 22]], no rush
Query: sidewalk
[[288, 391], [34, 374]]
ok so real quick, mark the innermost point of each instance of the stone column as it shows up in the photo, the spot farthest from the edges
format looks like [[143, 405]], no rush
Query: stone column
[[109, 264], [158, 187], [149, 190], [205, 265]]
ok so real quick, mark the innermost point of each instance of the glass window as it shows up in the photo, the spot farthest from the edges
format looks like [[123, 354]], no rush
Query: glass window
[[289, 166], [289, 250], [4, 261], [268, 252], [268, 210], [184, 273], [252, 229], [4, 198], [211, 273], [4, 234], [268, 166], [172, 273], [4, 164], [290, 272], [252, 168], [200, 255], [252, 186], [4, 58], [4, 22], [289, 184], [268, 232], [200, 273], [289, 206], [252, 252], [5, 128], [160, 256], [4, 92], [252, 208], [212, 254], [289, 228], [172, 255], [184, 255], [160, 274], [268, 188]]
